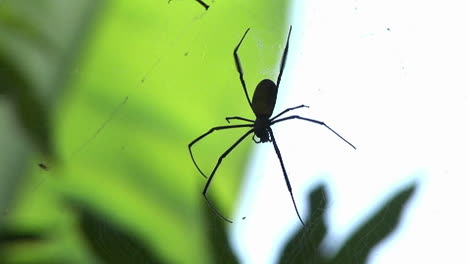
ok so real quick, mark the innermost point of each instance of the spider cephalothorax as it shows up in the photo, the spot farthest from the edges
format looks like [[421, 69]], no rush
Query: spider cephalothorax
[[261, 126], [262, 105]]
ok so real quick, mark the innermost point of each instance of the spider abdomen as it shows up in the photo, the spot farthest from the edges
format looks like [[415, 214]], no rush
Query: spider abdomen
[[264, 98]]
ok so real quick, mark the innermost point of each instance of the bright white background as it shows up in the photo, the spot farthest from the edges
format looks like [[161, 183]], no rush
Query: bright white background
[[391, 77]]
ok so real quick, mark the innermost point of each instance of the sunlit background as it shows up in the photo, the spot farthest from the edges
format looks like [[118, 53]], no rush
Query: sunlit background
[[391, 78], [99, 100]]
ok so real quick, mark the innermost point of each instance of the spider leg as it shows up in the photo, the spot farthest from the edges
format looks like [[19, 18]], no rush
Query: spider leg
[[228, 119], [206, 134], [283, 59], [278, 153], [287, 110], [239, 68], [313, 121], [207, 185], [203, 4]]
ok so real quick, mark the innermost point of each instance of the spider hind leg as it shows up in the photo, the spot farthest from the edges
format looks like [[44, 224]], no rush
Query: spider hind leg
[[207, 185], [288, 184]]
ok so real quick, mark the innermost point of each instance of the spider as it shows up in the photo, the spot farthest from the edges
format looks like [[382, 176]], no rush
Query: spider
[[262, 105]]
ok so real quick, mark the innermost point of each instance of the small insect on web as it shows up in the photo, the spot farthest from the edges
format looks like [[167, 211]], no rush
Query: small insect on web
[[262, 105], [43, 166]]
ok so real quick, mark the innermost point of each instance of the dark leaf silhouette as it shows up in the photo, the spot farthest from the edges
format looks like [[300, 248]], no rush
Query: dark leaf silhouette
[[30, 111], [378, 227], [10, 238], [304, 247], [110, 242], [217, 236], [310, 237]]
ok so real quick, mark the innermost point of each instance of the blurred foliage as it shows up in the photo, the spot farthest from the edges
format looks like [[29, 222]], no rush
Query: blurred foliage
[[98, 101], [39, 43], [108, 242], [306, 245], [114, 244]]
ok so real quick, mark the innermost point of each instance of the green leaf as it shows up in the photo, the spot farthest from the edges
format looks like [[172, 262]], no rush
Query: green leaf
[[39, 42], [378, 227], [217, 235], [18, 239], [29, 109], [304, 246], [8, 236], [111, 243]]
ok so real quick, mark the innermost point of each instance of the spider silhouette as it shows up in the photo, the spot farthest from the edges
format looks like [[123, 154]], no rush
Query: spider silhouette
[[262, 105]]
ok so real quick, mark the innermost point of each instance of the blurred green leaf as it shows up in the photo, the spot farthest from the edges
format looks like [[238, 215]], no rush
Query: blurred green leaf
[[218, 237], [13, 19], [156, 75], [29, 109], [111, 243], [39, 44], [35, 61], [8, 236], [11, 239]]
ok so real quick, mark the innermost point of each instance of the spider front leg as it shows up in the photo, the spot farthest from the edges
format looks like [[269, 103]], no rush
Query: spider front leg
[[313, 121], [239, 68], [283, 59], [287, 110], [207, 185], [228, 119]]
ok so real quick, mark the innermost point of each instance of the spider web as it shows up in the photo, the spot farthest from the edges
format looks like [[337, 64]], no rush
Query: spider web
[[345, 177], [326, 160]]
